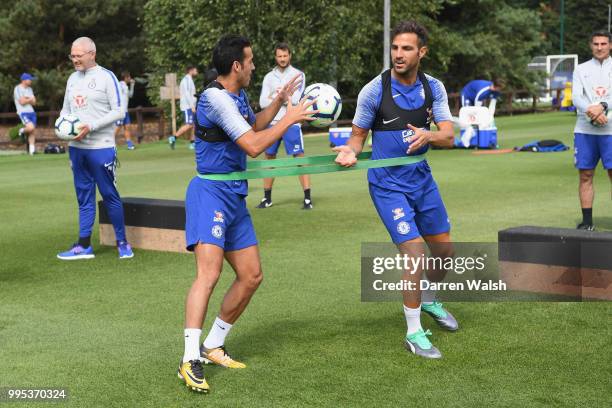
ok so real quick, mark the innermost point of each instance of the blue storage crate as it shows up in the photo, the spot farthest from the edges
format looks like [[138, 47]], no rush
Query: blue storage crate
[[339, 136]]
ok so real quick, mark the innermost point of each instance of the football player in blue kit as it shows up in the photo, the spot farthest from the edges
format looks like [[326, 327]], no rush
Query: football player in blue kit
[[218, 224], [399, 106]]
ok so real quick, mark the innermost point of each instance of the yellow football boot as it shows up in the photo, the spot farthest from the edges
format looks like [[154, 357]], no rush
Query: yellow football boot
[[192, 373], [219, 356]]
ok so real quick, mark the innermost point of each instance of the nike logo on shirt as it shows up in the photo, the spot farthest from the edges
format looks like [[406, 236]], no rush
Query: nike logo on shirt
[[389, 121]]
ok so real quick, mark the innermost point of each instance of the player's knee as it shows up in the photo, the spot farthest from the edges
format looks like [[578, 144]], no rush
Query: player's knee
[[111, 198], [207, 280], [444, 251], [586, 176], [254, 280]]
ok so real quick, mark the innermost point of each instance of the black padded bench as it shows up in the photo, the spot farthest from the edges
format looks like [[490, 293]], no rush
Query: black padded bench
[[150, 224], [561, 261]]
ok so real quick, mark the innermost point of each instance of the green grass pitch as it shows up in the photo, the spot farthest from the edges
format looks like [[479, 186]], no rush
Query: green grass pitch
[[111, 331]]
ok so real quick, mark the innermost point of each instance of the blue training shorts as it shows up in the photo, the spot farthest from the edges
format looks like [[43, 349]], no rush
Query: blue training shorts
[[125, 121], [293, 140], [28, 117], [217, 216], [410, 215], [588, 149], [188, 116]]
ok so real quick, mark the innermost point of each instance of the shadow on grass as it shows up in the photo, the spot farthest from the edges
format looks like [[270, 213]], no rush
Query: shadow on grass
[[604, 223]]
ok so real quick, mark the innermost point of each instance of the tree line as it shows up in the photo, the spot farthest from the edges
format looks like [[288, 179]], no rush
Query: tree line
[[338, 42]]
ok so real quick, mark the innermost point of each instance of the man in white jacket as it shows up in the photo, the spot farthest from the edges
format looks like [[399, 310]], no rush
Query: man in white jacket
[[591, 92], [187, 105], [274, 80], [92, 95]]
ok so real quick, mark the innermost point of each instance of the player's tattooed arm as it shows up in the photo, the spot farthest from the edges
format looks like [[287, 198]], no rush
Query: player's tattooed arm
[[266, 116], [443, 137], [347, 154], [255, 142]]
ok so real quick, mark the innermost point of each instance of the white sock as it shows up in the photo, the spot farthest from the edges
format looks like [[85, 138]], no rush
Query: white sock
[[413, 319], [429, 295], [32, 148], [192, 344], [216, 335]]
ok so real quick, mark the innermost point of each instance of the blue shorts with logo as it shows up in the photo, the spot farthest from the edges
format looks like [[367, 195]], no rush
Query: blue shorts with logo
[[125, 121], [588, 149], [215, 215], [410, 215], [28, 117], [188, 116], [293, 140]]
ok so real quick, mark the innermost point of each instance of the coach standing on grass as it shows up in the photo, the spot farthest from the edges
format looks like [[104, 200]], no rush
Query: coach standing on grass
[[293, 140], [92, 95], [592, 84]]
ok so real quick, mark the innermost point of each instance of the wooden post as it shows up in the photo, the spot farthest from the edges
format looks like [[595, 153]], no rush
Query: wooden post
[[170, 91], [173, 104], [140, 123], [161, 126]]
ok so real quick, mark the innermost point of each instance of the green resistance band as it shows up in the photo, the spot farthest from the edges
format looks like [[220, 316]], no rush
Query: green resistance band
[[299, 161], [307, 165]]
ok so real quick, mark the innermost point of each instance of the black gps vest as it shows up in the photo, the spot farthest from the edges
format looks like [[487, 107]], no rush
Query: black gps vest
[[214, 134], [391, 117]]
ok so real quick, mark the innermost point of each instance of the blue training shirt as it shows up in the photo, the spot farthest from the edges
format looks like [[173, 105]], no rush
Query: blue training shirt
[[478, 90], [408, 177], [406, 97], [233, 114]]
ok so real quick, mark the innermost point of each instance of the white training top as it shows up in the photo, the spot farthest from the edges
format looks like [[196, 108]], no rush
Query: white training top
[[126, 93], [273, 81], [187, 89], [93, 97], [19, 92], [592, 83]]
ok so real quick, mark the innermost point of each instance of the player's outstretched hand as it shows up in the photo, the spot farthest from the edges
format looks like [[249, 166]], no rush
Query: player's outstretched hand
[[419, 139], [346, 156], [301, 111], [85, 129], [289, 88]]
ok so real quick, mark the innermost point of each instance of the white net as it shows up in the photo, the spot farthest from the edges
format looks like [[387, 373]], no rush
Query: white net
[[558, 69]]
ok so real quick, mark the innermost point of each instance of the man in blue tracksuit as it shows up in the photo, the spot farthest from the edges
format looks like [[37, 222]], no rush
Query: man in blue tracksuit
[[477, 91], [92, 94]]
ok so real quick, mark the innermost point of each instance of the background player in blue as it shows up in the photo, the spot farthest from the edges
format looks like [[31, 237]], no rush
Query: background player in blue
[[479, 90], [399, 106], [126, 90], [293, 139], [92, 95], [24, 104], [218, 224], [592, 96]]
